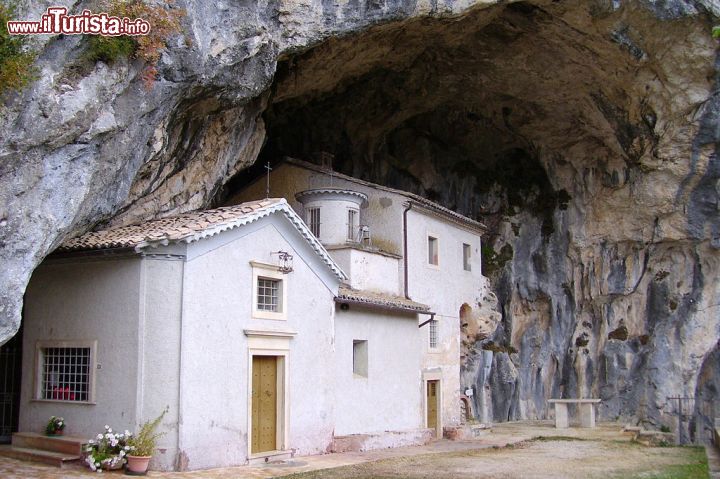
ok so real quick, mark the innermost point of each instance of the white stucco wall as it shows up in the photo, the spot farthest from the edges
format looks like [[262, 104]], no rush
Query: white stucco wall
[[389, 399], [215, 361], [159, 336], [369, 271], [93, 300], [381, 212], [445, 288]]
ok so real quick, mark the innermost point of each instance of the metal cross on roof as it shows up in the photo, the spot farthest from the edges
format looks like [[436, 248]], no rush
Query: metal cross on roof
[[267, 185]]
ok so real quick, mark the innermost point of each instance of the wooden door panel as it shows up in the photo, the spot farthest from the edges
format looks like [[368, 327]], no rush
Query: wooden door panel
[[432, 400], [264, 404]]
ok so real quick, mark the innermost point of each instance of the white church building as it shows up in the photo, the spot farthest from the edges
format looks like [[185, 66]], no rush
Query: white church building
[[271, 328]]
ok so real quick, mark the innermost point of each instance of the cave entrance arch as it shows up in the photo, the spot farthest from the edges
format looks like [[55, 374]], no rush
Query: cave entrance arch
[[537, 118]]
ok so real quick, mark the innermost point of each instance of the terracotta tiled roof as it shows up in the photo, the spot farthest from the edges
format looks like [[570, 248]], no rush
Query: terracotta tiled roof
[[190, 227], [384, 300], [165, 230]]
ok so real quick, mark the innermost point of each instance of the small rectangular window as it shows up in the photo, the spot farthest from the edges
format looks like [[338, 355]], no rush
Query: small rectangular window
[[467, 251], [352, 224], [65, 373], [268, 295], [433, 334], [433, 250], [313, 219], [360, 357]]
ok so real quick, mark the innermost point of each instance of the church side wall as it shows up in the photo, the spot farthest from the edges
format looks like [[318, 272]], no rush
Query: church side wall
[[389, 398], [85, 300]]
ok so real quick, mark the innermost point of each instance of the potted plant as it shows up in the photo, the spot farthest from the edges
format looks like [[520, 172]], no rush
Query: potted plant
[[55, 426], [142, 446], [107, 450]]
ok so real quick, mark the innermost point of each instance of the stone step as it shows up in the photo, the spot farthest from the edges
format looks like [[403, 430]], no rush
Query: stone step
[[62, 444], [36, 455]]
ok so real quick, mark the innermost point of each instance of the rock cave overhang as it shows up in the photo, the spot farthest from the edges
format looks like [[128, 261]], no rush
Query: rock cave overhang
[[491, 103]]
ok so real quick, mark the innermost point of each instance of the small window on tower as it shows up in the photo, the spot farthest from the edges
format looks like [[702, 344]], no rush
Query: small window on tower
[[313, 220], [467, 251], [352, 224]]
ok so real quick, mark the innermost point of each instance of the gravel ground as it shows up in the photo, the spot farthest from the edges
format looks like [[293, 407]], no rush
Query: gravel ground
[[556, 458]]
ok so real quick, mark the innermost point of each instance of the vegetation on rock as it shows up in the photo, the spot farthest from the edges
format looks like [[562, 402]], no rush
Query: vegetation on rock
[[620, 333], [164, 22], [16, 59]]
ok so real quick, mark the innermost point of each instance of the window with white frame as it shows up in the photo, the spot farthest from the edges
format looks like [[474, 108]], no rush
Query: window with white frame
[[360, 357], [269, 291], [313, 220], [433, 334], [467, 251], [65, 370], [353, 223], [432, 247]]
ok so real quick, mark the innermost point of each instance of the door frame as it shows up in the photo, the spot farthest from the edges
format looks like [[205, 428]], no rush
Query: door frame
[[428, 376], [277, 344], [12, 372]]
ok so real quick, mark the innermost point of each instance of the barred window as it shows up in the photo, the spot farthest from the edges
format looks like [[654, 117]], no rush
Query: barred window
[[313, 217], [65, 371], [353, 223], [268, 295], [433, 334]]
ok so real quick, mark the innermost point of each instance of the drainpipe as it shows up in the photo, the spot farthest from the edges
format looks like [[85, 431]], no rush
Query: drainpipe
[[405, 250]]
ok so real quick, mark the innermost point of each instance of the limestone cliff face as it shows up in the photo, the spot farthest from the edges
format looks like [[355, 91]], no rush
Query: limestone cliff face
[[583, 133]]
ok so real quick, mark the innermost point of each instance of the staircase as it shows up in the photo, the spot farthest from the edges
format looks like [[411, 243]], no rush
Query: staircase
[[54, 451]]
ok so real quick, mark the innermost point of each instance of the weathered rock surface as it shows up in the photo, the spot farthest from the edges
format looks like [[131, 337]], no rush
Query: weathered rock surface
[[583, 133]]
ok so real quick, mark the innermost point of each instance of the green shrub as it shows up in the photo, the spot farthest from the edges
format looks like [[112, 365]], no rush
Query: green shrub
[[109, 49], [16, 60], [164, 22]]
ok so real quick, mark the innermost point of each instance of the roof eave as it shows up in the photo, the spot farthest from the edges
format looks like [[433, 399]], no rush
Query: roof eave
[[383, 306]]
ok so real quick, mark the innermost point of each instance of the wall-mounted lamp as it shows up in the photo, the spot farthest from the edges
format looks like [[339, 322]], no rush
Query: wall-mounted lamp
[[286, 261]]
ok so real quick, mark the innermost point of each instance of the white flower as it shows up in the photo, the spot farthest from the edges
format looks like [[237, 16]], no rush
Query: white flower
[[99, 436], [127, 433], [59, 423], [109, 429]]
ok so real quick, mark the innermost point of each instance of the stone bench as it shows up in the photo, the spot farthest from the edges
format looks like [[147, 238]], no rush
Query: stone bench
[[587, 411]]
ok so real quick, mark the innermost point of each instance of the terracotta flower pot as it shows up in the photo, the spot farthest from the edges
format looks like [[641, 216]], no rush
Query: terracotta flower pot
[[138, 464], [57, 432]]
